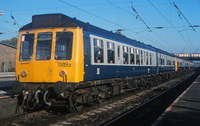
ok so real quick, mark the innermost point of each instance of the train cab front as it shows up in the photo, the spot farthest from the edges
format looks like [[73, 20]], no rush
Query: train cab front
[[48, 60]]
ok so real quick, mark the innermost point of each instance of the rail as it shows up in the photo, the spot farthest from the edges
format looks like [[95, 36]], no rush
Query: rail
[[148, 112]]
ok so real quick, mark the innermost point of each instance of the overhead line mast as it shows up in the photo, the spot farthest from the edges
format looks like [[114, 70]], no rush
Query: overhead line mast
[[14, 19], [183, 16], [141, 18]]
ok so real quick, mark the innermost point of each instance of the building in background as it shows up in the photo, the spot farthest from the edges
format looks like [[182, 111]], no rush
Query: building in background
[[7, 57]]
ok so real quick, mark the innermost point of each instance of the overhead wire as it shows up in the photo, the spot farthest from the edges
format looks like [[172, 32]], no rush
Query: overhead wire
[[8, 30], [144, 23], [141, 19], [158, 27], [111, 23], [187, 34], [90, 13], [169, 22], [119, 7], [153, 42], [184, 25], [106, 19], [88, 4], [7, 22]]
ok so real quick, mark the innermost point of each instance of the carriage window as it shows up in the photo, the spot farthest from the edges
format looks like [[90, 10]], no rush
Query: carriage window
[[141, 54], [150, 56], [168, 61], [98, 51], [111, 52], [144, 58], [162, 60], [179, 63], [147, 61], [137, 56], [118, 52], [26, 49], [125, 55], [63, 45], [173, 63], [153, 61], [132, 56]]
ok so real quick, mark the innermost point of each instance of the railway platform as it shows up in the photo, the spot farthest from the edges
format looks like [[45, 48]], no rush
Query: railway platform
[[6, 81], [185, 110], [7, 74]]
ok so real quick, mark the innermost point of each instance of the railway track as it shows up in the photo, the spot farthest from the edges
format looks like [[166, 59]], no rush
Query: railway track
[[146, 113], [95, 114]]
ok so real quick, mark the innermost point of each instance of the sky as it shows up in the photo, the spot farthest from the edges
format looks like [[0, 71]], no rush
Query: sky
[[158, 23]]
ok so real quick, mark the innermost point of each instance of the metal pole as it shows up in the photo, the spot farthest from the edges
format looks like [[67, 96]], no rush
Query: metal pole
[[141, 18], [184, 16], [14, 19]]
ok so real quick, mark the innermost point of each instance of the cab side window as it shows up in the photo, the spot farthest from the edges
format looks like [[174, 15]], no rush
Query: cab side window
[[26, 47]]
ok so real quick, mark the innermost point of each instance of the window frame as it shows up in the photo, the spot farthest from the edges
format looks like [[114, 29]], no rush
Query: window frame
[[22, 40], [49, 46], [99, 45], [110, 48], [132, 52], [125, 51], [62, 32], [119, 53]]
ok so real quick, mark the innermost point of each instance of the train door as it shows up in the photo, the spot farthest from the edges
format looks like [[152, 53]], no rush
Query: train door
[[42, 67], [87, 59], [157, 61], [118, 54], [119, 58]]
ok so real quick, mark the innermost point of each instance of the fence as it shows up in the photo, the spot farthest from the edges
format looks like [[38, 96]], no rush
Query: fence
[[7, 66]]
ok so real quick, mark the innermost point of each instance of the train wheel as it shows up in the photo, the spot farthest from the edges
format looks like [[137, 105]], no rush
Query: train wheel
[[73, 104], [77, 107], [31, 103], [99, 99]]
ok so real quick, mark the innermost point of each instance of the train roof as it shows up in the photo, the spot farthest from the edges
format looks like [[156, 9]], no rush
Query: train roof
[[60, 20]]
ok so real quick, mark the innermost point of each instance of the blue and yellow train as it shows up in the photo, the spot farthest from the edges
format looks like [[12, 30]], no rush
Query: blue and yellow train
[[62, 61]]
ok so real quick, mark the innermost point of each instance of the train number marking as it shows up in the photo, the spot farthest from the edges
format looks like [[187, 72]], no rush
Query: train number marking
[[64, 64], [98, 71]]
